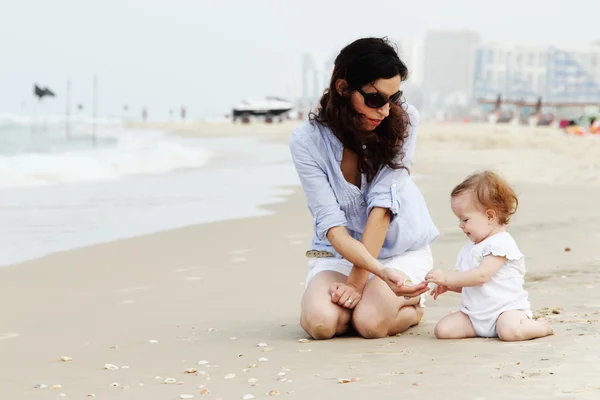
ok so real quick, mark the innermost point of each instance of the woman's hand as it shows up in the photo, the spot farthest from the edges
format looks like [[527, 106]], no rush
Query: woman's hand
[[396, 281], [345, 295]]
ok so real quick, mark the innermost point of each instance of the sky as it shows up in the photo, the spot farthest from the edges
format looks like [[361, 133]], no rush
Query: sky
[[210, 54]]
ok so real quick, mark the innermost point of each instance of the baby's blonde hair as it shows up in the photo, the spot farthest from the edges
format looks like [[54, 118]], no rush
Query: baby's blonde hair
[[492, 192]]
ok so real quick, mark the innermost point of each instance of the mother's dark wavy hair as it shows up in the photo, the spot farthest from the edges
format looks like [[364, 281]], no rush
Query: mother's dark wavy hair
[[361, 63]]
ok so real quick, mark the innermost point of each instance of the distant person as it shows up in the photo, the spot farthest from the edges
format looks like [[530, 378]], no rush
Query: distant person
[[372, 228], [491, 268], [183, 113], [144, 114]]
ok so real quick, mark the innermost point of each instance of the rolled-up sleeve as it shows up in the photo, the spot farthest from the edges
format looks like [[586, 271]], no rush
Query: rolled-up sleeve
[[321, 199], [383, 191]]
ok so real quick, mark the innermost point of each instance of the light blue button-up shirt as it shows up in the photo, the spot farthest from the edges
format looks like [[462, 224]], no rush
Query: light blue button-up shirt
[[333, 201]]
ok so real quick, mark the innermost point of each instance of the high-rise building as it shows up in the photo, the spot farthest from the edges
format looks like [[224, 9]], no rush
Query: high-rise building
[[449, 67], [529, 72]]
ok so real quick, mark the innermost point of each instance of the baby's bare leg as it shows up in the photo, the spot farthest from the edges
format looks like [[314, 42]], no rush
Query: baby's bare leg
[[454, 326], [515, 325]]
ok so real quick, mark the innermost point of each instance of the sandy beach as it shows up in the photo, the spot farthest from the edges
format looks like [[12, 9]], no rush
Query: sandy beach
[[221, 300]]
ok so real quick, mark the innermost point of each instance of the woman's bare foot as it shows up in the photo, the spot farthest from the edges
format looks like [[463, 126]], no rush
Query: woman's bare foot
[[545, 324]]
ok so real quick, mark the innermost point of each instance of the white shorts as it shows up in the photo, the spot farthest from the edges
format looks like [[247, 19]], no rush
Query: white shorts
[[414, 263]]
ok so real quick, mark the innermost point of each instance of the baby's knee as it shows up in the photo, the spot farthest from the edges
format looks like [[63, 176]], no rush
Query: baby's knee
[[510, 334], [443, 330]]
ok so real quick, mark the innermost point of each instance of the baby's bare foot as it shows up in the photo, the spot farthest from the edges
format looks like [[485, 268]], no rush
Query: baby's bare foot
[[546, 325]]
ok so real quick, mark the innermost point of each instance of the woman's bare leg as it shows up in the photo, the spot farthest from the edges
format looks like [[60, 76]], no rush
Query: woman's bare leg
[[515, 325], [320, 317], [381, 313], [454, 326]]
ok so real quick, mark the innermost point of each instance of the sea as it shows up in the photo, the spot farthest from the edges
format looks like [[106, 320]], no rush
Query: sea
[[69, 184]]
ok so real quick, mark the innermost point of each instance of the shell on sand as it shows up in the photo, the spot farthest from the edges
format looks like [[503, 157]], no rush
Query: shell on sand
[[191, 370], [111, 367], [65, 359], [170, 381], [248, 397]]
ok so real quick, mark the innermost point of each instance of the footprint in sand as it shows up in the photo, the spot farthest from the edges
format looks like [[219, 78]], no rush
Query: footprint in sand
[[9, 335]]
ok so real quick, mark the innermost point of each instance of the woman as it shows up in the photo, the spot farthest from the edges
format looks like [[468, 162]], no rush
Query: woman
[[372, 226]]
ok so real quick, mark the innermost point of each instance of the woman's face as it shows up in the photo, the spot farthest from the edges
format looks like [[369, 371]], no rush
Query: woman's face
[[372, 117]]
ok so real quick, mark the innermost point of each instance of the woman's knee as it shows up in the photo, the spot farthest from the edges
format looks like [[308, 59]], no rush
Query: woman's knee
[[370, 323], [323, 323]]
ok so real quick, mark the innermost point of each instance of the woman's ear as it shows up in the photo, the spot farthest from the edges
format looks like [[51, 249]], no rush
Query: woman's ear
[[340, 86]]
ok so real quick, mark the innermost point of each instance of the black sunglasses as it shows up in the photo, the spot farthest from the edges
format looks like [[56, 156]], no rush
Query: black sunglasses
[[378, 100]]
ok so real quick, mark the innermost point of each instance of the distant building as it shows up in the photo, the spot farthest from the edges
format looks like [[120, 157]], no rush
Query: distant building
[[449, 68], [528, 72]]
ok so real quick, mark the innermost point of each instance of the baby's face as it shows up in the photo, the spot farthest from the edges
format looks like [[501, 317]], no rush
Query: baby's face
[[473, 221]]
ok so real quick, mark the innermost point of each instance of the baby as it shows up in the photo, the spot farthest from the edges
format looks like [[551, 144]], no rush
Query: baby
[[491, 269]]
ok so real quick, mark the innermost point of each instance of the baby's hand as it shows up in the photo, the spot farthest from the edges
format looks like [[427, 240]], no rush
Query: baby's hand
[[438, 290], [436, 276]]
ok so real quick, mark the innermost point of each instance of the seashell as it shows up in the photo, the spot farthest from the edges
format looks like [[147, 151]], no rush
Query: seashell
[[170, 381], [240, 355], [115, 384], [56, 387], [344, 380], [65, 359], [252, 381], [40, 386], [111, 367], [191, 370], [203, 362], [204, 374], [247, 397], [253, 365], [273, 392], [281, 374], [204, 391], [303, 340], [304, 350], [263, 359], [158, 377], [229, 376], [262, 344], [153, 341], [212, 329], [62, 395], [186, 396], [407, 282]]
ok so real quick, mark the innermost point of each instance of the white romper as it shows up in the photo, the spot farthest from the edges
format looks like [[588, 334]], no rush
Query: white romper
[[484, 304]]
